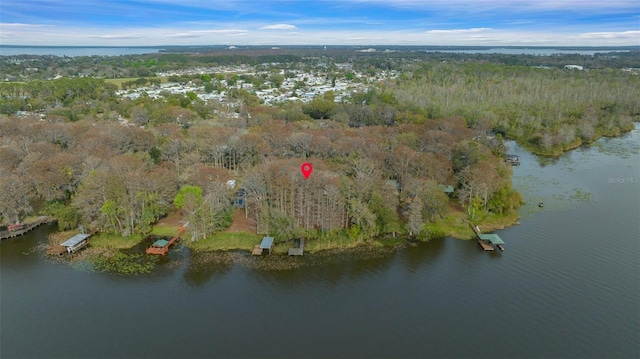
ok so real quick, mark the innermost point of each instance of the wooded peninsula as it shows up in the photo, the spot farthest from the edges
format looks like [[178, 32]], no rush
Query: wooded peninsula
[[404, 144]]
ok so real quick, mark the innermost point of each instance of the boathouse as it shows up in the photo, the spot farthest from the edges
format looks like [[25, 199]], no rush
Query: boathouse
[[298, 250], [267, 243], [161, 246], [492, 239], [76, 242]]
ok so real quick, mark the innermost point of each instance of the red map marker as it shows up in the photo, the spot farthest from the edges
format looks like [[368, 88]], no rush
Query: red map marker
[[306, 169]]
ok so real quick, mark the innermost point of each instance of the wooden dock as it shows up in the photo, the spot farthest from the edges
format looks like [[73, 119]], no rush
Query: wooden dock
[[488, 242], [266, 244], [486, 246], [161, 246], [299, 250], [27, 227]]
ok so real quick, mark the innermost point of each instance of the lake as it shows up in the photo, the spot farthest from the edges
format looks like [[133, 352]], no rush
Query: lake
[[567, 285], [73, 51]]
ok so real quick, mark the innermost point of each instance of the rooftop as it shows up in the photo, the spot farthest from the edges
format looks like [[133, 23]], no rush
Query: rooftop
[[75, 240], [267, 242], [493, 238], [160, 243]]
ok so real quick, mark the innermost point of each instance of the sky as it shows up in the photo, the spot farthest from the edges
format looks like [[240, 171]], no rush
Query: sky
[[320, 22]]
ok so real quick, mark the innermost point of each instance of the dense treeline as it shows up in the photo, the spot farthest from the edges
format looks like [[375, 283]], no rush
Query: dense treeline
[[544, 109], [121, 179], [34, 67]]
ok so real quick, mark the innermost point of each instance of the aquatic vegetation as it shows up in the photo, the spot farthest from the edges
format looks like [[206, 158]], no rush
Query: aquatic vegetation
[[123, 263]]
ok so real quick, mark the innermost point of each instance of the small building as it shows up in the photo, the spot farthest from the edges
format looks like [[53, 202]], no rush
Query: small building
[[239, 198], [448, 189], [392, 185], [76, 242], [161, 246]]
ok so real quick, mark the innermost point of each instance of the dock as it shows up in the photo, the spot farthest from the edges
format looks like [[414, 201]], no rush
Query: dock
[[488, 242], [266, 244], [75, 243], [299, 249], [161, 246], [20, 229]]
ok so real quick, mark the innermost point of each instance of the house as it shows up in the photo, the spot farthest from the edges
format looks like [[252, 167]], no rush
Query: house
[[239, 198]]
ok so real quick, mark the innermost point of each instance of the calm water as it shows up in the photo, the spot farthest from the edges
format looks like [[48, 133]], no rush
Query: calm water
[[568, 285], [73, 51], [530, 51], [117, 51]]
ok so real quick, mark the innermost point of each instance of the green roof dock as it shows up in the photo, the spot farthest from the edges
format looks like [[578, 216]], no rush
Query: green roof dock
[[488, 242]]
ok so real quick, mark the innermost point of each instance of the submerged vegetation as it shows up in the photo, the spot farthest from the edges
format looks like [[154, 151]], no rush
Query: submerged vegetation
[[123, 263], [415, 150]]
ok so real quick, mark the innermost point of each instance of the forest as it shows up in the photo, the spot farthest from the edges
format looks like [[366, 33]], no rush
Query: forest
[[73, 149]]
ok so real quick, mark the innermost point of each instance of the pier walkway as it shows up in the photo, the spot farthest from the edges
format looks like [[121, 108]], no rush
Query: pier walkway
[[161, 246], [27, 227]]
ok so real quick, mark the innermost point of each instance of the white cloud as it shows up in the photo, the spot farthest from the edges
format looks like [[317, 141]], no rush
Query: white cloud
[[278, 27], [612, 35], [458, 31], [114, 37], [19, 34]]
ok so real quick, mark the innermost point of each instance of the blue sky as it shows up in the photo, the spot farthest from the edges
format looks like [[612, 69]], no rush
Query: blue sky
[[320, 22]]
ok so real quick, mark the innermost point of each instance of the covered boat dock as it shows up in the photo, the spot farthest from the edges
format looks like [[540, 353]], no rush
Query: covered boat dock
[[76, 242], [492, 239], [488, 242], [267, 243], [161, 246]]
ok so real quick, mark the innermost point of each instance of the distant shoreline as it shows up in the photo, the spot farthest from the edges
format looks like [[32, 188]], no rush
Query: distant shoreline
[[73, 51]]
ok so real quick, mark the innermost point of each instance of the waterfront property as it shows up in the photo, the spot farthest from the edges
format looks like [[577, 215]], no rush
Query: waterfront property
[[75, 243]]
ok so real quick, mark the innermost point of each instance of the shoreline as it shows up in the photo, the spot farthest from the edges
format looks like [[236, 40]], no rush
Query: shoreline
[[317, 251], [577, 143], [454, 225]]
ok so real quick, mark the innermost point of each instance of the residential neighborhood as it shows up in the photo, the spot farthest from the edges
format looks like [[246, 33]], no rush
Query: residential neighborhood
[[293, 84]]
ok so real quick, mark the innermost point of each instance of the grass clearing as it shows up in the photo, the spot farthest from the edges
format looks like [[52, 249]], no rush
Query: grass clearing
[[114, 241], [452, 225], [332, 242], [226, 241], [164, 231]]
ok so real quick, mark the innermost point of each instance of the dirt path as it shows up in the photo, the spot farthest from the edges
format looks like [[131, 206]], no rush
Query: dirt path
[[241, 223], [173, 219]]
